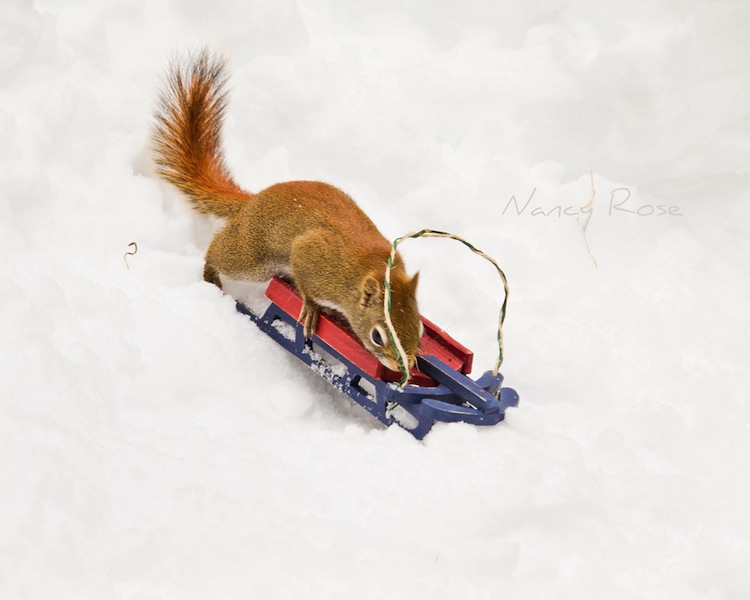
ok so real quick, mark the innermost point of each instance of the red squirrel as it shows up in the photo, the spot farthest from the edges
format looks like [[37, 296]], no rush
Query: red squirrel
[[307, 230]]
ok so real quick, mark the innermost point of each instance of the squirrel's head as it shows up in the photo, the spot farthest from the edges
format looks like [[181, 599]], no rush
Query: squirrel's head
[[369, 323]]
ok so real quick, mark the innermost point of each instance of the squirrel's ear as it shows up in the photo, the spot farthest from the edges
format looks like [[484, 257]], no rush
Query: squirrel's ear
[[370, 292], [413, 282]]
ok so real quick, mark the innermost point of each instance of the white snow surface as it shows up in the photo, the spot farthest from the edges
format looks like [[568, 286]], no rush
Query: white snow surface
[[154, 444]]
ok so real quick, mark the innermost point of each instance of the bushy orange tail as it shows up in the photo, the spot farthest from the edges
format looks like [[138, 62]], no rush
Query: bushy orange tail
[[187, 135]]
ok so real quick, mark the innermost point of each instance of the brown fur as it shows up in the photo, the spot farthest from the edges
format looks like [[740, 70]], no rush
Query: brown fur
[[308, 229]]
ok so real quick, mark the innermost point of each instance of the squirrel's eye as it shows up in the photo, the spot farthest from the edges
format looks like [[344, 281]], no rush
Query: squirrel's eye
[[376, 336]]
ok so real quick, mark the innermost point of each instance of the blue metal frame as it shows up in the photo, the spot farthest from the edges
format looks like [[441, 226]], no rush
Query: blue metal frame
[[413, 407]]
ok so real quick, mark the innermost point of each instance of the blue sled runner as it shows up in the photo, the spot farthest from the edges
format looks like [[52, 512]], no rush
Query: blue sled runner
[[439, 389]]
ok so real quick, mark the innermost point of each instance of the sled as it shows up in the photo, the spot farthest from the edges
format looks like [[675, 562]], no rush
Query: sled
[[439, 388]]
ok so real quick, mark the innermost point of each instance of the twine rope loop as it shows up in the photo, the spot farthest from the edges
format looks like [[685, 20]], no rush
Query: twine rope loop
[[393, 336]]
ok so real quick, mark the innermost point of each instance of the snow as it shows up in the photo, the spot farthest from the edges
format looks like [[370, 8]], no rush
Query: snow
[[153, 444]]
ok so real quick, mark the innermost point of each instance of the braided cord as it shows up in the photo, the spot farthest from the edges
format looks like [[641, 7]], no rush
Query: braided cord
[[393, 336]]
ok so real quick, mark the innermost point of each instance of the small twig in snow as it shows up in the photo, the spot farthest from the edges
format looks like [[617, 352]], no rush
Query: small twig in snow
[[130, 253], [588, 209]]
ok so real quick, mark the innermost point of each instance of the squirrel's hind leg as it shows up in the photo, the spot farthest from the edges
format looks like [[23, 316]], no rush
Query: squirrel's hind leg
[[211, 275], [239, 254]]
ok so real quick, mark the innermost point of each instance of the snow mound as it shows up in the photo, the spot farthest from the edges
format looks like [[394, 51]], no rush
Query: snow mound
[[153, 444]]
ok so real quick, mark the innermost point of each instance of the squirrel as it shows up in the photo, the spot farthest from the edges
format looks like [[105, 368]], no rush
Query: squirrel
[[307, 230]]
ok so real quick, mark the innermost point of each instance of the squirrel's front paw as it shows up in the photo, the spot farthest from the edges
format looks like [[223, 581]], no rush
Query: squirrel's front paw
[[309, 314]]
